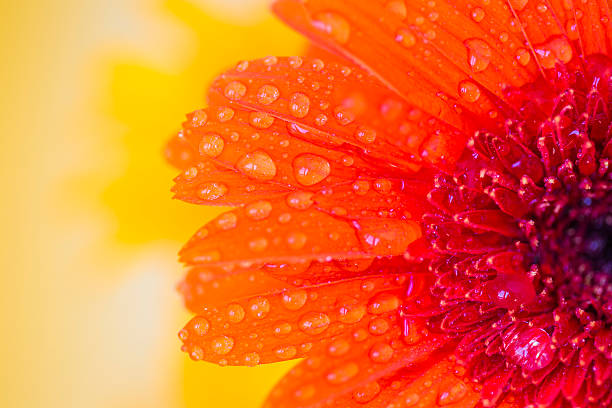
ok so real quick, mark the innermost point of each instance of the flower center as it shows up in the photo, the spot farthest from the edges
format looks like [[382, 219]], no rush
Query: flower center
[[521, 239]]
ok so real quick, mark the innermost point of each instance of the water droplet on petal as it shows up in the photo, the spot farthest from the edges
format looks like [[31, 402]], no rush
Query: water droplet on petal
[[478, 14], [365, 134], [282, 329], [300, 200], [267, 94], [338, 347], [227, 221], [235, 90], [454, 393], [556, 49], [310, 169], [235, 313], [314, 323], [378, 326], [296, 240], [411, 399], [299, 105], [405, 37], [469, 91], [200, 326], [251, 359], [397, 7], [212, 191], [366, 393], [258, 244], [212, 145], [294, 300], [285, 353], [383, 303], [259, 210], [479, 54], [333, 25], [523, 56], [343, 373], [259, 307], [222, 345], [381, 352], [258, 165]]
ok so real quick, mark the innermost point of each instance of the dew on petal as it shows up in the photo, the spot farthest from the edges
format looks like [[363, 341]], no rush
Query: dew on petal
[[235, 90], [212, 191], [300, 200], [366, 393], [200, 326], [365, 134], [478, 14], [258, 244], [314, 323], [379, 326], [282, 329], [235, 313], [381, 353], [469, 91], [285, 353], [405, 38], [556, 49], [351, 314], [259, 307], [258, 165], [222, 345], [523, 56], [338, 347], [452, 393], [343, 373], [259, 210], [383, 303], [296, 240], [294, 300], [479, 54], [397, 7], [261, 120], [227, 221], [251, 359], [299, 105], [334, 25], [267, 94], [310, 169]]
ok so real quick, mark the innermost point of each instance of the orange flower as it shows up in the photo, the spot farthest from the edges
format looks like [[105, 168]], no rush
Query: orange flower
[[424, 213]]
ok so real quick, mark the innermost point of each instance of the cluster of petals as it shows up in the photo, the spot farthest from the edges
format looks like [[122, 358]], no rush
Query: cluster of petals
[[396, 201]]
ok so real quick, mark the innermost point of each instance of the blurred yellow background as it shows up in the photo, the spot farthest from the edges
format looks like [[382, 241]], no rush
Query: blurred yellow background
[[91, 90]]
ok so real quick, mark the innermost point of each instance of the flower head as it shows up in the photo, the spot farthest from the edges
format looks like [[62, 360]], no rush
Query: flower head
[[425, 213]]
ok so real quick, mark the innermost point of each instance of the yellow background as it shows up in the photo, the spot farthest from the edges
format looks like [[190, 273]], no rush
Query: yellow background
[[91, 90]]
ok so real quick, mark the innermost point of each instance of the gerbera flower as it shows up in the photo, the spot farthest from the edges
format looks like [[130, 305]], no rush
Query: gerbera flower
[[424, 213]]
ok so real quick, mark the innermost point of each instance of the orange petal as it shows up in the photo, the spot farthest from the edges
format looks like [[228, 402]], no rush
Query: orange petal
[[447, 57], [292, 231], [331, 102], [207, 183], [325, 379], [288, 324]]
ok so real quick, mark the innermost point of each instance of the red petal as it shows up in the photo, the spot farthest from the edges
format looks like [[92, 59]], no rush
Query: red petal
[[289, 324]]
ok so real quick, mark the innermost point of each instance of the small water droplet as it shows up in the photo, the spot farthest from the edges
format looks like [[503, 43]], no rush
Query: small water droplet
[[378, 326], [523, 56], [200, 326], [227, 221], [301, 200], [365, 134], [397, 7], [338, 347], [405, 37], [251, 359], [366, 393], [258, 244], [296, 240]]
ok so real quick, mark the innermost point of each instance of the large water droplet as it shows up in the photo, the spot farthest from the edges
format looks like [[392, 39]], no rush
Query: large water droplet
[[334, 25], [452, 393], [381, 353], [310, 169], [259, 210], [299, 105], [258, 165], [469, 91], [479, 54], [259, 307], [314, 323], [212, 191], [267, 94], [222, 345], [294, 300], [235, 313], [556, 49], [235, 90]]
